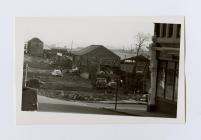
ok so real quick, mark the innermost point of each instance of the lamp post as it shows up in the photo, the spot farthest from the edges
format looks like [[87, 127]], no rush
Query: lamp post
[[116, 94]]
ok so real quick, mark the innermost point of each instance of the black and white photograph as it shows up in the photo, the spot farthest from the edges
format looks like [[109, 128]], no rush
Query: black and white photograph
[[100, 70], [122, 66]]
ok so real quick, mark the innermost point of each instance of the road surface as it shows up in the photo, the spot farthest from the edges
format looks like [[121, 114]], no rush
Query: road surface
[[57, 105]]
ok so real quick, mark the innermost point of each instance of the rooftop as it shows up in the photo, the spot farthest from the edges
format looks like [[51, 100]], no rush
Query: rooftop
[[35, 39], [138, 58], [89, 49]]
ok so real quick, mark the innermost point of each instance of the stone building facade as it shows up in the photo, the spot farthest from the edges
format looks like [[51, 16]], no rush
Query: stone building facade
[[164, 66]]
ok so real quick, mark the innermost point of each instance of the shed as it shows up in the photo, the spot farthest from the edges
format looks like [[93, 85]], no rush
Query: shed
[[93, 58]]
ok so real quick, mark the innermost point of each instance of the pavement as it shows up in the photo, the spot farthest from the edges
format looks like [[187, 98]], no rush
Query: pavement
[[46, 104], [130, 101], [106, 108]]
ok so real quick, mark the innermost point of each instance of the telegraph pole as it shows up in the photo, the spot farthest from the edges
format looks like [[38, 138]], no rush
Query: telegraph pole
[[71, 45], [25, 79], [116, 94]]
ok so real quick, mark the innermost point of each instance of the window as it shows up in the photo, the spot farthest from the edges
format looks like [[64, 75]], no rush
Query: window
[[176, 82], [164, 30], [170, 30], [157, 29], [167, 80], [178, 30], [161, 79]]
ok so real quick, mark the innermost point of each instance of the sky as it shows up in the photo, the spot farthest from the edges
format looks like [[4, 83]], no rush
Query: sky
[[112, 32]]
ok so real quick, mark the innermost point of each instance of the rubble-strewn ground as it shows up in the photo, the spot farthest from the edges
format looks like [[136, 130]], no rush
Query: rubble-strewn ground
[[70, 86]]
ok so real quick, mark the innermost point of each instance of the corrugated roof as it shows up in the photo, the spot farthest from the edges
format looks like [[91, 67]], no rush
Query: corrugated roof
[[89, 49], [139, 58], [86, 50]]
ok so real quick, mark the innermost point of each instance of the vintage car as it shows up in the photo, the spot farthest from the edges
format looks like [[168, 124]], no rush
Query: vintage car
[[57, 72], [74, 70], [144, 98], [101, 83], [111, 86]]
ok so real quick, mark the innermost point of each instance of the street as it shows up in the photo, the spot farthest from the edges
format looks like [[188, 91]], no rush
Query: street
[[56, 105]]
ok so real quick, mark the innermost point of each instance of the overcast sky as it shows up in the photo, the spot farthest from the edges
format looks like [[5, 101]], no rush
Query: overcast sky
[[113, 32]]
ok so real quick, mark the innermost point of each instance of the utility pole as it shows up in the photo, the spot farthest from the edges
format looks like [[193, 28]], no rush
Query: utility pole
[[25, 79], [131, 48], [116, 94], [71, 45]]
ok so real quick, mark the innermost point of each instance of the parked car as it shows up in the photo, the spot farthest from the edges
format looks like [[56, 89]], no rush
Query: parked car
[[144, 98], [112, 85], [74, 70], [57, 72], [29, 99], [101, 83]]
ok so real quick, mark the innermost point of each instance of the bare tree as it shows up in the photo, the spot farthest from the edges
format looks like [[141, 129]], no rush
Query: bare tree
[[141, 40]]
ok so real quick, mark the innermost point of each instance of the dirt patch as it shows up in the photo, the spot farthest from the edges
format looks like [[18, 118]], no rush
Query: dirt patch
[[88, 96], [67, 82], [37, 62], [69, 86]]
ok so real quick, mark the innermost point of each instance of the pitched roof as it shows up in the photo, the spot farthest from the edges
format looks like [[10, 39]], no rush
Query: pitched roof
[[35, 39], [139, 58], [89, 49], [85, 50]]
